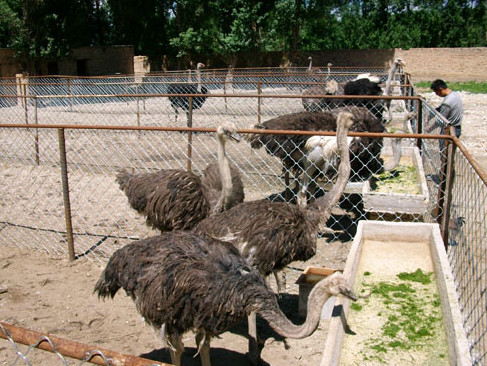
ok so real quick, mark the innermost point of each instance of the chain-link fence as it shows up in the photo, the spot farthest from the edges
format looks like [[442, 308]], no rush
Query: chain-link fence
[[59, 163]]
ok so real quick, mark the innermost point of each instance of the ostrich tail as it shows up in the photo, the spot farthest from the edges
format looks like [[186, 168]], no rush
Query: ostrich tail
[[105, 287], [122, 178]]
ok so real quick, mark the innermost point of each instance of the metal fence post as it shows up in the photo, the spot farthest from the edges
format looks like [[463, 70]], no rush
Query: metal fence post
[[259, 92], [450, 176], [67, 203], [442, 187], [419, 125], [137, 98], [36, 133], [190, 133]]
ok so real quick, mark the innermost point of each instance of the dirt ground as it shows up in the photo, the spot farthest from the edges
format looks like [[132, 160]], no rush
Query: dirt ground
[[55, 296]]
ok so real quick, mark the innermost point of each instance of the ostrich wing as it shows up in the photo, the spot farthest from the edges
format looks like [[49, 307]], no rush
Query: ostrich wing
[[213, 185], [186, 282], [178, 202], [269, 235]]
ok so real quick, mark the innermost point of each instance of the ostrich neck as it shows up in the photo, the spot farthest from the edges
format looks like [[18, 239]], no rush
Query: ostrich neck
[[282, 325], [225, 173], [391, 74], [325, 204], [198, 80]]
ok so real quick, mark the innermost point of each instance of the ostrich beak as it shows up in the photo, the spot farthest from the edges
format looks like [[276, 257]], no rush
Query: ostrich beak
[[348, 293], [235, 136]]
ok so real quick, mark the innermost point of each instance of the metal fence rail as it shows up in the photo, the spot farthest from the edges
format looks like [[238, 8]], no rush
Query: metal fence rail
[[34, 184], [63, 351]]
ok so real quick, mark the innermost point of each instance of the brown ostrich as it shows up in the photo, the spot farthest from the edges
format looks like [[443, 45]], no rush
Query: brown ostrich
[[181, 281], [173, 199], [270, 235]]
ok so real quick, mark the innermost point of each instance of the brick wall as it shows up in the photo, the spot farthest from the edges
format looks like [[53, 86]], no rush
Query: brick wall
[[99, 61], [451, 64]]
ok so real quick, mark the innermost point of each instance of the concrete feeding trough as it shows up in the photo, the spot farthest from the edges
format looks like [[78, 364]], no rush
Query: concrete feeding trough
[[387, 249], [306, 282], [400, 197]]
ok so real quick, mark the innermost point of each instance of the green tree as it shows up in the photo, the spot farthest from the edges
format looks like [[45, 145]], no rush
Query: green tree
[[38, 30], [143, 24], [218, 27]]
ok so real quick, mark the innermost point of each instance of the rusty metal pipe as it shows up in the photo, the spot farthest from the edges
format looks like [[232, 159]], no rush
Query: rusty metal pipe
[[67, 202], [72, 349]]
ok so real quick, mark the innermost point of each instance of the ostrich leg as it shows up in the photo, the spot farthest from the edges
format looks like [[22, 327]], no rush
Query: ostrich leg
[[176, 349], [204, 348], [254, 350]]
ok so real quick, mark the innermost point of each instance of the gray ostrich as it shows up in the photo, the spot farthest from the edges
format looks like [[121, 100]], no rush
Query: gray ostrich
[[177, 199], [270, 235], [181, 281]]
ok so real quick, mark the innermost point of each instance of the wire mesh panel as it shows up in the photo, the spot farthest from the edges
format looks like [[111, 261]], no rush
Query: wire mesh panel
[[34, 189], [467, 227]]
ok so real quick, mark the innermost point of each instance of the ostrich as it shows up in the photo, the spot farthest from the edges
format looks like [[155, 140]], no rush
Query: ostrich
[[177, 199], [310, 66], [311, 103], [270, 235], [363, 84], [187, 88], [182, 281], [397, 64], [292, 150]]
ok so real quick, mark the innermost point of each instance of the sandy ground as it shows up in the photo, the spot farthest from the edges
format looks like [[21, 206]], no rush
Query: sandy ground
[[55, 296]]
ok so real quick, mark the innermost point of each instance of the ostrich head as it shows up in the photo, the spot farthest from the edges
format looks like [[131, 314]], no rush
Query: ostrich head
[[331, 87], [399, 62], [228, 130], [333, 285], [336, 284]]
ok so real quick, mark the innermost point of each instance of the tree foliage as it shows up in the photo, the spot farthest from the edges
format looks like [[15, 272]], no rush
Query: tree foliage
[[39, 29]]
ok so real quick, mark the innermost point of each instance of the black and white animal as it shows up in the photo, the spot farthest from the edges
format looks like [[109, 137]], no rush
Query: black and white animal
[[293, 149], [178, 102], [363, 84], [270, 235], [177, 199], [181, 281]]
